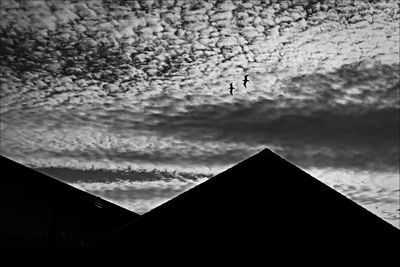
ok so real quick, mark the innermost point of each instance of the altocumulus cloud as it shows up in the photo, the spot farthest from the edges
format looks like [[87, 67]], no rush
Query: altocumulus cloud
[[326, 128], [142, 85]]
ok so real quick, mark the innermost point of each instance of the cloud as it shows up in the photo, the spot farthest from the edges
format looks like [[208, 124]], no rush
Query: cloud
[[127, 175], [345, 118], [87, 148], [346, 136], [377, 191], [144, 85], [333, 35], [139, 197], [215, 137]]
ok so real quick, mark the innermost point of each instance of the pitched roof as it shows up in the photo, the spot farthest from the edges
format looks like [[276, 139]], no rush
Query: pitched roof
[[264, 198], [37, 210]]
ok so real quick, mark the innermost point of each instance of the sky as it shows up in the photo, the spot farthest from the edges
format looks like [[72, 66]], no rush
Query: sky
[[129, 100]]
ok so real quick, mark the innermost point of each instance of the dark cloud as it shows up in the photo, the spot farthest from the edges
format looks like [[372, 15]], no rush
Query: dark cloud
[[346, 136], [351, 135], [107, 176]]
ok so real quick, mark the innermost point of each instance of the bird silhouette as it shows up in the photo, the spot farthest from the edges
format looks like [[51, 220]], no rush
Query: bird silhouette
[[245, 80], [231, 88]]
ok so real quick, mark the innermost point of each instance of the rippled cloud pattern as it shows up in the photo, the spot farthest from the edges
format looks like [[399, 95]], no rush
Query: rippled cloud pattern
[[130, 100]]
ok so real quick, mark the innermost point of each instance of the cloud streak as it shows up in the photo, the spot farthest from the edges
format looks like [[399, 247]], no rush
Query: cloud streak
[[138, 196], [343, 136]]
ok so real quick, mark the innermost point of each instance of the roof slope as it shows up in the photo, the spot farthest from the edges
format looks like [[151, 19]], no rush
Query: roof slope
[[37, 210], [264, 198]]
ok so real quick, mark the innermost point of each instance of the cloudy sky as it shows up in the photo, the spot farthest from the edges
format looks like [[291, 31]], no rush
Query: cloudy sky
[[130, 100]]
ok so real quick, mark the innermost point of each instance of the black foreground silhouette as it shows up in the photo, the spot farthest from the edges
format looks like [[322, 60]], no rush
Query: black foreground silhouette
[[37, 210], [263, 200], [264, 203]]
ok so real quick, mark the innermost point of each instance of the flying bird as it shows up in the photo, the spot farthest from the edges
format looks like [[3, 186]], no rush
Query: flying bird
[[231, 89], [245, 80]]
